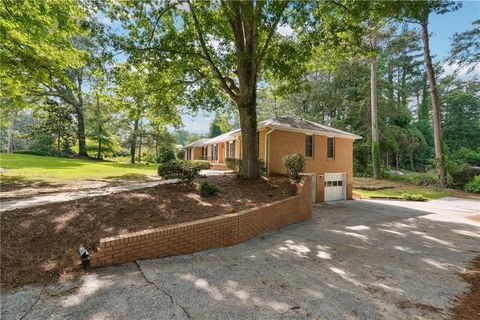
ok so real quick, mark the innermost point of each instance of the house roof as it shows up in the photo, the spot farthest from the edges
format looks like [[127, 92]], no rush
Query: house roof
[[227, 136], [283, 123], [198, 143], [302, 125]]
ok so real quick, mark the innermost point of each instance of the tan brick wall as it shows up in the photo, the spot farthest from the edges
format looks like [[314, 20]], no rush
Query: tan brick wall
[[205, 234], [197, 153], [287, 142]]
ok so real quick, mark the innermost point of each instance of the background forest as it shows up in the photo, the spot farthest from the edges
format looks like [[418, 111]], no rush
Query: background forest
[[110, 80]]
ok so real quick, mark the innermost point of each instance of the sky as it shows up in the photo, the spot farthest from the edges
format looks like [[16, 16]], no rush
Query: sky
[[442, 29]]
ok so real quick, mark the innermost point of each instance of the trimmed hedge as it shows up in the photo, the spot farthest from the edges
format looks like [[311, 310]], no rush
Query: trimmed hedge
[[413, 197], [202, 164], [184, 171]]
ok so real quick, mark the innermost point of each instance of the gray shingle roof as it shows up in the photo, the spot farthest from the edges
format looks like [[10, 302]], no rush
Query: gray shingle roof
[[293, 123], [285, 122]]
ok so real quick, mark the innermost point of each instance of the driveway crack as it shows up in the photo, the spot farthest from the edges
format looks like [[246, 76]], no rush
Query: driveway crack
[[34, 304], [169, 295]]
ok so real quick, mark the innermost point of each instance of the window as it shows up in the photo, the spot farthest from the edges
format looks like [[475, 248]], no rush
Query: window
[[309, 146], [232, 149], [330, 148], [215, 155]]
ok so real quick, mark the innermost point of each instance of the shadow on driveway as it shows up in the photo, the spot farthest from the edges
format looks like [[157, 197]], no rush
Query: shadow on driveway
[[352, 260]]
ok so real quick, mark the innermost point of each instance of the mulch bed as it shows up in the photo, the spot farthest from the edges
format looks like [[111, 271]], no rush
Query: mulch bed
[[41, 244], [468, 305]]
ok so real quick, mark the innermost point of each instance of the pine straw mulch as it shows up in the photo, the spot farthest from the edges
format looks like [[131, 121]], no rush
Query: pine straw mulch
[[40, 245], [467, 306]]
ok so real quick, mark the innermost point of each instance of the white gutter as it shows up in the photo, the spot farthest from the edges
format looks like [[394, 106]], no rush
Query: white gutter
[[266, 150]]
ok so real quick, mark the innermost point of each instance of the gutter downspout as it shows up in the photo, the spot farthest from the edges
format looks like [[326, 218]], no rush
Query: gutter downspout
[[267, 155]]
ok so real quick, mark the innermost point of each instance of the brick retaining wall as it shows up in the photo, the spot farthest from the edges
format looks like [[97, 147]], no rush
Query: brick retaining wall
[[221, 231]]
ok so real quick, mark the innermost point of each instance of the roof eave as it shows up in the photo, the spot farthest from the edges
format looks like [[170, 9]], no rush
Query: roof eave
[[323, 133]]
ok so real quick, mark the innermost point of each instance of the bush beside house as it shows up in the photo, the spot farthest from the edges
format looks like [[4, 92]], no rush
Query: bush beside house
[[295, 164]]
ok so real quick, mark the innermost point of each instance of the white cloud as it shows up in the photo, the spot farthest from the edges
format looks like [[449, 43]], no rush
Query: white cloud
[[464, 73], [285, 30]]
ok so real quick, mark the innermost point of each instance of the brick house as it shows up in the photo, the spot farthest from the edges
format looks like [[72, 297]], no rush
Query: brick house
[[328, 153]]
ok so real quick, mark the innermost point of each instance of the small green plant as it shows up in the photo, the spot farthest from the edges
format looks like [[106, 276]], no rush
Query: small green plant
[[231, 163], [166, 154], [413, 197], [295, 164], [202, 164], [208, 189], [474, 185], [184, 171]]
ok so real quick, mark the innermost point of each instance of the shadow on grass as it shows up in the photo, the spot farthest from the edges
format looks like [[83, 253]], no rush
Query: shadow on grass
[[9, 183], [131, 177]]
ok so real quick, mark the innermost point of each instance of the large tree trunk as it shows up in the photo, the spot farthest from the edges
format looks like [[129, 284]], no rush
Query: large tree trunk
[[375, 137], [437, 124], [248, 123], [133, 140], [247, 107], [99, 151], [82, 146]]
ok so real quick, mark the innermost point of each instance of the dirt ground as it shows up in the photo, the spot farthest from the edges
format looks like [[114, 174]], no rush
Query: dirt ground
[[468, 305], [41, 244]]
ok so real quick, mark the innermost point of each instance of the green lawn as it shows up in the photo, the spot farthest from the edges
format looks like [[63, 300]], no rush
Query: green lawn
[[29, 167], [429, 193]]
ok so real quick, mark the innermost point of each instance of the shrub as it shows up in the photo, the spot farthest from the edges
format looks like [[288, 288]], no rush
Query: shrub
[[231, 163], [262, 167], [466, 155], [166, 154], [295, 163], [474, 185], [148, 157], [460, 173], [201, 164], [184, 171], [33, 153], [413, 197], [416, 178], [208, 189], [181, 154]]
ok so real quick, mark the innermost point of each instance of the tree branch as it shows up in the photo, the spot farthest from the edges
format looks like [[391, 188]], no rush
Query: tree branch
[[159, 16], [216, 70], [270, 35]]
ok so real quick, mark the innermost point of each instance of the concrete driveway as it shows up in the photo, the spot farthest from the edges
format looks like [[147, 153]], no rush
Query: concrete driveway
[[352, 260]]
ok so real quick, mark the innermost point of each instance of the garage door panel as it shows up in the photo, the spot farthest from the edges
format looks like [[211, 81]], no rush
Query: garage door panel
[[335, 186]]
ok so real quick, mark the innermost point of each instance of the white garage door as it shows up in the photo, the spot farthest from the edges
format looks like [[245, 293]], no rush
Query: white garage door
[[335, 186]]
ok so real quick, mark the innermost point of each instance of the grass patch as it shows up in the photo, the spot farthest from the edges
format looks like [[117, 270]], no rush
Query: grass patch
[[30, 167], [428, 193]]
